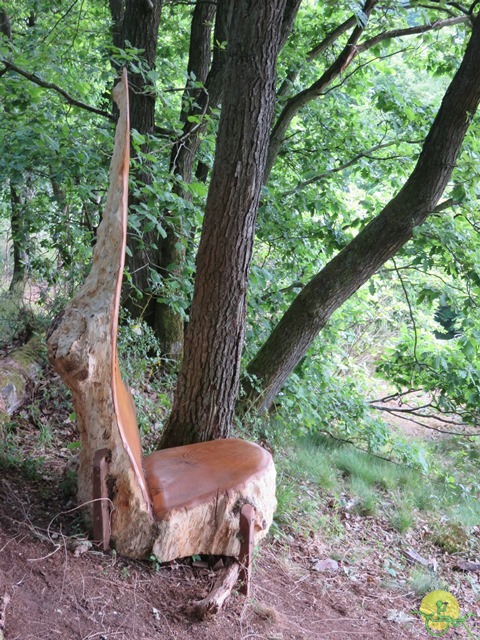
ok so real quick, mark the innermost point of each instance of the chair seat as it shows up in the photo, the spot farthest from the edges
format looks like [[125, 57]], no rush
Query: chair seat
[[183, 477]]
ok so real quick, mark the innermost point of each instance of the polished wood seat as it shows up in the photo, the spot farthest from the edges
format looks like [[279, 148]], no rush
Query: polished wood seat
[[206, 497], [182, 477]]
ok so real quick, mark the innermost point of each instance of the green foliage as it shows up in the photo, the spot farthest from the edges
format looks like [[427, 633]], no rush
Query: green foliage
[[345, 156], [141, 363]]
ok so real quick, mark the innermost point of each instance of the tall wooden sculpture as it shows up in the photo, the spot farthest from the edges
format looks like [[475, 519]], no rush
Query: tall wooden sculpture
[[214, 497]]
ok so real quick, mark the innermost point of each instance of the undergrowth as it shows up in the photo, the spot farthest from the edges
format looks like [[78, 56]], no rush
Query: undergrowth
[[320, 479]]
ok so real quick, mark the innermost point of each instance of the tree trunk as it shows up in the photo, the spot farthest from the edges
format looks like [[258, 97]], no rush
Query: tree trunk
[[377, 242], [19, 240], [140, 22], [5, 25], [208, 380], [168, 322]]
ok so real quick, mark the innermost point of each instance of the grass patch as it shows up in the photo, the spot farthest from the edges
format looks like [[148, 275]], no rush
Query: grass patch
[[403, 519], [312, 464], [317, 468], [423, 581], [368, 501]]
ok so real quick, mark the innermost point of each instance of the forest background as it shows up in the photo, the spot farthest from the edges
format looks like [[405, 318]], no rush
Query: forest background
[[358, 87]]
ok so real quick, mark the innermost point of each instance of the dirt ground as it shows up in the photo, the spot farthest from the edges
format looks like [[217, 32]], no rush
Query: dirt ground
[[54, 594], [54, 585]]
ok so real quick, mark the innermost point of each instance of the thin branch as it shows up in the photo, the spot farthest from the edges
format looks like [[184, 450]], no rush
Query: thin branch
[[410, 31], [446, 204], [402, 410], [459, 6], [433, 8], [290, 287], [62, 17], [410, 310], [395, 396], [412, 267], [456, 5], [328, 40], [474, 226], [355, 446], [427, 426], [349, 163], [54, 87], [359, 66]]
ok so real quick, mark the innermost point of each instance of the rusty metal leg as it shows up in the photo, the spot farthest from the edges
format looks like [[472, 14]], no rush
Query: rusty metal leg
[[246, 547], [101, 507]]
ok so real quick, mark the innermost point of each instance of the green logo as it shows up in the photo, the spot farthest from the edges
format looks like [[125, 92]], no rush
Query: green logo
[[441, 612]]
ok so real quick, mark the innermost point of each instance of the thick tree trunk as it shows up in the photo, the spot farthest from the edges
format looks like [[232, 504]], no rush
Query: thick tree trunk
[[378, 241], [208, 380]]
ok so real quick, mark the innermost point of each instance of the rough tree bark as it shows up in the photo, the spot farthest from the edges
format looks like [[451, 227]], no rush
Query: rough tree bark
[[208, 380], [168, 323], [377, 242]]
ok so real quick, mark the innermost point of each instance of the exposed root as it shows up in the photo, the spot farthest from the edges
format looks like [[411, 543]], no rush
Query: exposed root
[[211, 604]]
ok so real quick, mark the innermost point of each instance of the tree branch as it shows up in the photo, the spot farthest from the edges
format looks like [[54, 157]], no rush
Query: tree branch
[[355, 446], [317, 51], [411, 31], [345, 165], [54, 87], [348, 54], [394, 412], [294, 104], [377, 242]]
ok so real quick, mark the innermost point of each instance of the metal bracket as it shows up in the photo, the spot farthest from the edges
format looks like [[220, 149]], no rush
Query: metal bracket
[[101, 501], [247, 516]]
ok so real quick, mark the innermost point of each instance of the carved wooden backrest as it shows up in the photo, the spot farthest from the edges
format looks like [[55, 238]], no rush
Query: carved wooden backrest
[[82, 343], [124, 405]]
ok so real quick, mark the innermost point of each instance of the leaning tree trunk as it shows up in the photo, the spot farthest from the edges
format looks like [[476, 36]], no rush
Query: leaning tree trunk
[[377, 242], [208, 380]]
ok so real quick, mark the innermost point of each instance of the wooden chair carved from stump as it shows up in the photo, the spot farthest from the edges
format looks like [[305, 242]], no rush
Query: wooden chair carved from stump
[[210, 498]]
